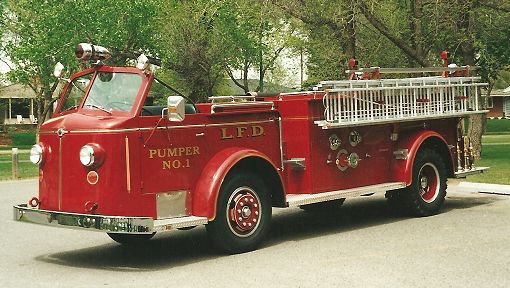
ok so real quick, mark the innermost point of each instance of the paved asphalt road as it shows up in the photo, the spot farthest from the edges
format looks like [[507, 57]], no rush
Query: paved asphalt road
[[362, 245]]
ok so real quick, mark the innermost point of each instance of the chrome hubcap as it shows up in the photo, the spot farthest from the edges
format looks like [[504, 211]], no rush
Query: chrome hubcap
[[429, 182], [243, 211], [424, 182]]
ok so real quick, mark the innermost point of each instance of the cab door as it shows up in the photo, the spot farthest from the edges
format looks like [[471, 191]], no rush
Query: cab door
[[172, 154]]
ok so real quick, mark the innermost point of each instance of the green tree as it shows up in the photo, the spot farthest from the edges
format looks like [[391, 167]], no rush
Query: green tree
[[39, 33], [404, 33]]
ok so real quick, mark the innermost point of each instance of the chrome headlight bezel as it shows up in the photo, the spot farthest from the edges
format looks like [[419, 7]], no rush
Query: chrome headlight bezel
[[87, 156], [37, 154]]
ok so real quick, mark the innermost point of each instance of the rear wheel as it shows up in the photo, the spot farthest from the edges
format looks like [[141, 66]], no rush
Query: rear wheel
[[426, 194], [327, 206], [130, 239], [243, 214]]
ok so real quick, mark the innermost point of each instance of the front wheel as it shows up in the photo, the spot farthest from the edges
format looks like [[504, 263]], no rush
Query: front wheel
[[243, 214], [426, 194]]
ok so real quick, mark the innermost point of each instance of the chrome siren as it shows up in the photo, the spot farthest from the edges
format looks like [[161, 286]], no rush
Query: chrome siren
[[86, 51]]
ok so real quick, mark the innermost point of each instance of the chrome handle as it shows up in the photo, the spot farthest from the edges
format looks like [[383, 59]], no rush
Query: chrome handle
[[200, 134]]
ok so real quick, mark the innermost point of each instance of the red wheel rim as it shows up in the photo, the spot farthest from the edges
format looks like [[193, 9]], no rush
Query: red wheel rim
[[243, 212], [428, 182]]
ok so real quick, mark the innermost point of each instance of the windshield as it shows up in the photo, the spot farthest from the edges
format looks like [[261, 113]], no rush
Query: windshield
[[75, 92], [112, 91]]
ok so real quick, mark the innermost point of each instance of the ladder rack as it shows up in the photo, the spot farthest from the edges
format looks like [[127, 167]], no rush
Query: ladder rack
[[363, 102]]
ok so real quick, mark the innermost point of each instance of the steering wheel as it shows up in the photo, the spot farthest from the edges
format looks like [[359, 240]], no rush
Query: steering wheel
[[147, 111]]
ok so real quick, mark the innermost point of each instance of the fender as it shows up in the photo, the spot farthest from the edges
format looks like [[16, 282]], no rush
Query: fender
[[403, 169], [206, 191]]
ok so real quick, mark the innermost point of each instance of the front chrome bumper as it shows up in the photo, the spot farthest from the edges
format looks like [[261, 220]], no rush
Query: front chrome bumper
[[101, 223]]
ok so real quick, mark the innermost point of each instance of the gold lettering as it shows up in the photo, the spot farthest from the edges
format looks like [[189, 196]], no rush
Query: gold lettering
[[176, 164], [172, 152], [161, 153], [166, 165], [240, 131], [257, 130], [224, 134]]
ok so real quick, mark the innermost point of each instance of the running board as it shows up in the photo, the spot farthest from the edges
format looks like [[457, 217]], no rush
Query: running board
[[161, 225], [473, 171], [303, 199]]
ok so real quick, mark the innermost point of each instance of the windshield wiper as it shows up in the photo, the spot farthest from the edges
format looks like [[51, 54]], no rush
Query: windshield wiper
[[98, 107]]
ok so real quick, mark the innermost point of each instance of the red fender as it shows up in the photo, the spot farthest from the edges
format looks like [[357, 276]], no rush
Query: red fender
[[207, 189], [403, 169]]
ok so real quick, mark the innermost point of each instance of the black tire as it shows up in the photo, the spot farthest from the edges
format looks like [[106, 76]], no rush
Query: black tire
[[243, 214], [328, 206], [130, 239], [425, 196]]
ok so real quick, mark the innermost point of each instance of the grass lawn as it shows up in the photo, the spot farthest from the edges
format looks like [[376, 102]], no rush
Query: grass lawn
[[495, 154], [498, 126], [26, 169]]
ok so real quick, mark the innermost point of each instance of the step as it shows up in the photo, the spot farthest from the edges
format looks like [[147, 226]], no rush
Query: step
[[303, 199], [161, 225]]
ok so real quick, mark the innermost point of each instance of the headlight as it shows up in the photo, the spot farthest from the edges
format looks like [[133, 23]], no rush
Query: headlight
[[36, 154], [87, 155], [92, 154]]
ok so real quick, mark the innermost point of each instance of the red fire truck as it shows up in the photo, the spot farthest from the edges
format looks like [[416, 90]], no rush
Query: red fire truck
[[123, 155]]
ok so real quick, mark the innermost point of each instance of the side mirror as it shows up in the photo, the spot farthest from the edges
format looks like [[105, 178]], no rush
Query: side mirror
[[57, 71], [175, 106]]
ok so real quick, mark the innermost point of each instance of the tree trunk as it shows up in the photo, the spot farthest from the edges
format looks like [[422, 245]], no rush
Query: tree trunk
[[401, 43], [476, 122]]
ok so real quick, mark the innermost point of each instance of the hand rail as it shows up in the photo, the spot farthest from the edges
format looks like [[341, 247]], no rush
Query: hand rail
[[241, 105]]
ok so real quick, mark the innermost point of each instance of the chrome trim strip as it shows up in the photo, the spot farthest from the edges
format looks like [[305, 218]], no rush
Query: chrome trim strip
[[125, 130], [281, 143], [327, 125], [240, 123], [128, 168], [303, 199], [59, 173], [161, 127], [474, 171], [178, 127], [102, 223], [107, 131]]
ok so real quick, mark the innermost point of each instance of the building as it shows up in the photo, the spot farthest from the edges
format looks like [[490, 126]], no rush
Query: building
[[498, 103], [17, 105]]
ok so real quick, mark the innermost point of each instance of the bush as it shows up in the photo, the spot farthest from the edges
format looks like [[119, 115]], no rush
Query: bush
[[22, 138]]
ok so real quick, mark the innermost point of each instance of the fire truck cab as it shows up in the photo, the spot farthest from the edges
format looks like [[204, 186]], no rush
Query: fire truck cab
[[123, 155]]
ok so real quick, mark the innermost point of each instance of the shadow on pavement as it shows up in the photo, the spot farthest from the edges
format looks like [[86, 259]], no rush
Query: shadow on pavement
[[186, 247]]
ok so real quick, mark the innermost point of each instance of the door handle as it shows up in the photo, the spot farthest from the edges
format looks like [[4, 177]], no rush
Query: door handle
[[200, 134]]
